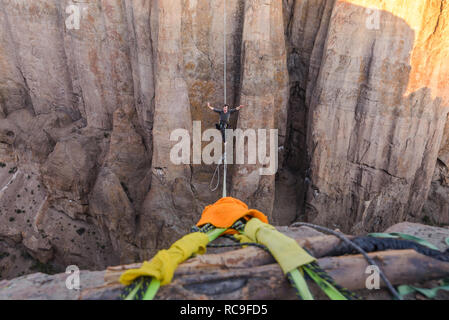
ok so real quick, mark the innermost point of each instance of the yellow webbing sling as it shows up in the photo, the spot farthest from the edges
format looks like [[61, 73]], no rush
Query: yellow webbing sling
[[163, 265]]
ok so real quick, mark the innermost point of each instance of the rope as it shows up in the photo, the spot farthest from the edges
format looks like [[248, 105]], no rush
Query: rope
[[217, 169], [224, 52], [356, 247], [216, 174], [224, 171], [373, 244], [225, 90]]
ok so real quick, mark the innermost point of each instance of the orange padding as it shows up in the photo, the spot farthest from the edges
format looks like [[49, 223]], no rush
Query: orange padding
[[226, 211]]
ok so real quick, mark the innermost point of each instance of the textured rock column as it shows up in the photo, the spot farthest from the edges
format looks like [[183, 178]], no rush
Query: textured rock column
[[99, 56], [376, 116], [303, 20], [121, 185], [431, 59], [168, 210], [202, 45], [264, 92], [140, 18], [36, 32], [13, 92]]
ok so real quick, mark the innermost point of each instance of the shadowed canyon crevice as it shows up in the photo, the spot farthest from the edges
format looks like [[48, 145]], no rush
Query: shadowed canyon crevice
[[357, 90]]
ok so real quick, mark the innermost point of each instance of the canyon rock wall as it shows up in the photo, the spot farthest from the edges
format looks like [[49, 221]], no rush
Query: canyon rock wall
[[377, 107], [356, 89]]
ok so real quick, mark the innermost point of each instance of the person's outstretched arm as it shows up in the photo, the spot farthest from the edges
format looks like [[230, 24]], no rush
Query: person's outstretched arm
[[212, 108], [238, 108]]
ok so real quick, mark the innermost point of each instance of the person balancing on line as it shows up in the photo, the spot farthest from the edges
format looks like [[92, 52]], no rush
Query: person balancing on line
[[225, 114]]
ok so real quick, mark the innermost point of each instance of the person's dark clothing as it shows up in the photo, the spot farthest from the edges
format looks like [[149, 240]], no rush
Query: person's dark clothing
[[222, 126], [224, 121], [225, 116]]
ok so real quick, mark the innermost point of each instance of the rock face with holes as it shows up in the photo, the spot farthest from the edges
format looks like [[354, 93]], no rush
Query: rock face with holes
[[91, 92]]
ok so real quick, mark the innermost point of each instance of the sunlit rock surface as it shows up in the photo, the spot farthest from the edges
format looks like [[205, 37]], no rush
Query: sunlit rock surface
[[357, 89]]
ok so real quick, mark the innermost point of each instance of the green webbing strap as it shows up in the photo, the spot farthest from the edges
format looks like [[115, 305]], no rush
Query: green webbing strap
[[152, 289], [155, 284], [428, 293], [134, 291], [332, 292], [293, 260], [215, 233], [300, 284]]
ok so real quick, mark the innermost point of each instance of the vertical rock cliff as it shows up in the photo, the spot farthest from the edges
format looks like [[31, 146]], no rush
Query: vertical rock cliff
[[376, 113], [91, 91], [264, 92]]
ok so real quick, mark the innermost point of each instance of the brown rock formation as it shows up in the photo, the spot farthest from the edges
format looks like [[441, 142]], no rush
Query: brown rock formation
[[264, 92], [374, 130], [356, 88]]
